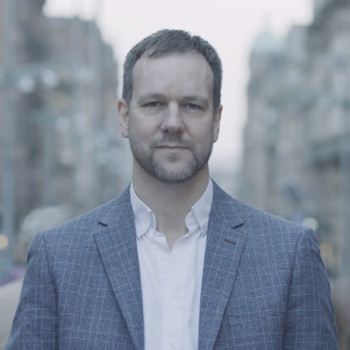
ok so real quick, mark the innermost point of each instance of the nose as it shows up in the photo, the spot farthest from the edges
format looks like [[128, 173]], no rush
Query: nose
[[172, 121]]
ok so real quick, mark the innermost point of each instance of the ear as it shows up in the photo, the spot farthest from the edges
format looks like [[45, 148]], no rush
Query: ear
[[216, 123], [123, 112]]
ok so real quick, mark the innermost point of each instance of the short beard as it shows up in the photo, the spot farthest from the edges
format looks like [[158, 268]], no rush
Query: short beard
[[159, 172], [175, 177]]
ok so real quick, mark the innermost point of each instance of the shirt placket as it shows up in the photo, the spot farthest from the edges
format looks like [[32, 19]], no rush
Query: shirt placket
[[174, 294]]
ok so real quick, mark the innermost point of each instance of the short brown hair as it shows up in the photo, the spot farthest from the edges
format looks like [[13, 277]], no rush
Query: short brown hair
[[170, 41]]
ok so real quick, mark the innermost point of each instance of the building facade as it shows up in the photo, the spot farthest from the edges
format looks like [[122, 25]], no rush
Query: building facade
[[60, 143], [297, 136]]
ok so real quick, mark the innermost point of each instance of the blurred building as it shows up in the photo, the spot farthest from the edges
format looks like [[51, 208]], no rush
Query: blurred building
[[90, 158], [59, 135], [297, 136]]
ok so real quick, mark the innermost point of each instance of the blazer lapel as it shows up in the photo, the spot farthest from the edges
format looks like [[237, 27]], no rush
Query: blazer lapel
[[225, 243], [116, 242]]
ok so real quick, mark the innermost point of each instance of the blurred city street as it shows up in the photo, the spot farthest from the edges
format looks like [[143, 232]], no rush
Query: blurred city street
[[9, 297], [61, 153]]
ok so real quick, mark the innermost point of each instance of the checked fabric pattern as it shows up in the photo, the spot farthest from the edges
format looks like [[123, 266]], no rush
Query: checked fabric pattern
[[264, 284]]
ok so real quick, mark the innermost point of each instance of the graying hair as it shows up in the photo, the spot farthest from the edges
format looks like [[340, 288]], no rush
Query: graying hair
[[170, 41]]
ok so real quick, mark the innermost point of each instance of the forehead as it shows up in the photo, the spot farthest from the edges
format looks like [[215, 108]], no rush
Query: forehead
[[181, 71]]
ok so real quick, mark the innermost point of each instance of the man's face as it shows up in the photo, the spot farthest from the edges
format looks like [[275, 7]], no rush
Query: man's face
[[170, 121]]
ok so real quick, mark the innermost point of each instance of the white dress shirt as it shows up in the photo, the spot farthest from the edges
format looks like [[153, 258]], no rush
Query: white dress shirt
[[171, 280]]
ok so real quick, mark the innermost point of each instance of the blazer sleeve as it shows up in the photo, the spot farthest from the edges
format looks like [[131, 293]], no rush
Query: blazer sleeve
[[310, 322], [36, 323]]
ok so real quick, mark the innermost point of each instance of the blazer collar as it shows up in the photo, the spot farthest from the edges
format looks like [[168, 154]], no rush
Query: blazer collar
[[116, 241], [225, 243]]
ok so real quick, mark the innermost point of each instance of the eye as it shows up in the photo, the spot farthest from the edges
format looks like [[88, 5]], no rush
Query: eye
[[193, 106], [153, 107], [153, 104]]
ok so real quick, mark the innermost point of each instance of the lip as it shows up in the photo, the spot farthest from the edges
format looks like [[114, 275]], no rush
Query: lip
[[171, 147]]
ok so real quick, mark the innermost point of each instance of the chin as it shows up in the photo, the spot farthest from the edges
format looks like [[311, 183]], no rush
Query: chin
[[175, 176]]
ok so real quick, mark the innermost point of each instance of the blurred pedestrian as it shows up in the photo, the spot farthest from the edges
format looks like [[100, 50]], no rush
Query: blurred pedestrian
[[341, 297]]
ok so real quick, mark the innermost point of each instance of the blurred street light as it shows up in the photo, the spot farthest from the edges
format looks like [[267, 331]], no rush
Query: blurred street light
[[311, 223], [26, 84], [49, 78]]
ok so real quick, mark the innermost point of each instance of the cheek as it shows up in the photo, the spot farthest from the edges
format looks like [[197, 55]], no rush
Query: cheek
[[140, 132], [203, 136]]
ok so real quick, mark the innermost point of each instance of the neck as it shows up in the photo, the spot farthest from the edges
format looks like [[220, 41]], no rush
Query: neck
[[170, 203]]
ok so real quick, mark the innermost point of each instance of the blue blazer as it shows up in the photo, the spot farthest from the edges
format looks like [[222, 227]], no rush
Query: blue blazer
[[264, 284]]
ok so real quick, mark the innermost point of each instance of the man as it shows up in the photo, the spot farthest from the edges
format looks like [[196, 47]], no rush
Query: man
[[174, 262]]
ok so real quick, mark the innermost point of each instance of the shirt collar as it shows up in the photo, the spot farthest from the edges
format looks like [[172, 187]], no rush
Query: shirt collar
[[197, 218], [144, 217]]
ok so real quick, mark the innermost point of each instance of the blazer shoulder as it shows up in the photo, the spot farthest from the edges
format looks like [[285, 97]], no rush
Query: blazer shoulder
[[256, 220], [85, 225]]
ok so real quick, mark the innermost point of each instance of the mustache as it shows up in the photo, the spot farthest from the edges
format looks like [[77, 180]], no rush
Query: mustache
[[172, 139]]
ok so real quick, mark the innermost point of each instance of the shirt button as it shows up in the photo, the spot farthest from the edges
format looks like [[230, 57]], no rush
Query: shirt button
[[173, 302]]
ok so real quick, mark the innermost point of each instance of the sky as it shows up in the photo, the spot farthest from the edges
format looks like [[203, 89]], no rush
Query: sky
[[231, 26]]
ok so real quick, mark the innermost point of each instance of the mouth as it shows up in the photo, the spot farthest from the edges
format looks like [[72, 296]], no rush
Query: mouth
[[172, 146]]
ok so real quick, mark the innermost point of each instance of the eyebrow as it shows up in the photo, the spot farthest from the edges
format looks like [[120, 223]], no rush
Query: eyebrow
[[151, 96], [157, 96], [200, 100]]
